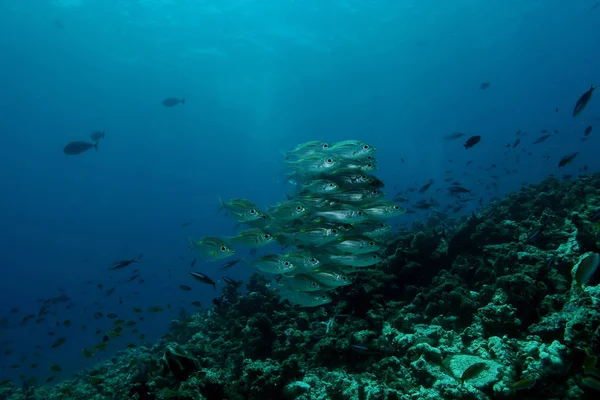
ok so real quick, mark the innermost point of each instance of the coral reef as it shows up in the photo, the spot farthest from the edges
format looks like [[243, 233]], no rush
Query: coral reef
[[476, 308]]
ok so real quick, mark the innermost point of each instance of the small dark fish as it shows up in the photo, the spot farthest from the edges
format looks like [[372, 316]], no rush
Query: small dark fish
[[473, 371], [454, 136], [172, 101], [123, 263], [229, 264], [541, 138], [196, 303], [484, 85], [595, 216], [426, 186], [74, 148], [549, 264], [472, 141], [232, 282], [185, 288], [516, 143], [200, 277], [97, 135], [97, 315], [455, 189], [193, 262], [536, 233], [59, 342], [186, 224], [567, 159], [587, 131], [583, 101]]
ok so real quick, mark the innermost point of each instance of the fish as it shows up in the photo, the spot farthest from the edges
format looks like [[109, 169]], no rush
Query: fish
[[583, 101], [516, 143], [567, 159], [384, 209], [472, 141], [591, 383], [301, 282], [122, 264], [454, 136], [586, 268], [274, 264], [523, 384], [345, 214], [331, 277], [200, 277], [372, 228], [74, 148], [484, 85], [305, 299], [473, 371], [232, 282], [356, 245], [212, 247], [587, 131], [426, 186], [59, 342], [541, 138], [356, 260], [185, 288], [97, 135], [253, 238], [172, 101], [229, 264]]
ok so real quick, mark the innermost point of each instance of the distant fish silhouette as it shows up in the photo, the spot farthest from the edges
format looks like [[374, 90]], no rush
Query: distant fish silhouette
[[583, 101], [172, 101], [74, 148]]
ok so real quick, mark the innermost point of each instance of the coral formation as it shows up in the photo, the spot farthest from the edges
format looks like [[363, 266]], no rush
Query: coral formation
[[477, 308]]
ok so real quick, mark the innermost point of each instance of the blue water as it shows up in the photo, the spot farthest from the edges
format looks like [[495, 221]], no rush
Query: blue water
[[258, 77]]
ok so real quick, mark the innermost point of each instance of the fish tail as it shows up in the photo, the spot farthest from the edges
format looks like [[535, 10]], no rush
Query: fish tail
[[214, 285], [96, 146], [183, 100]]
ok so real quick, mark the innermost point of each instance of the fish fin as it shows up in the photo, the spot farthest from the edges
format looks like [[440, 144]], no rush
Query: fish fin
[[221, 203], [96, 146], [183, 100], [214, 285]]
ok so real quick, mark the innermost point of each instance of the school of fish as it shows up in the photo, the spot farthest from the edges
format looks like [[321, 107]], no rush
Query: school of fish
[[331, 227]]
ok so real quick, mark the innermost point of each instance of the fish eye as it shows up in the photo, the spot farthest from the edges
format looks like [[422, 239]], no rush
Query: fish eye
[[366, 147], [286, 263], [334, 231], [267, 236], [374, 256], [252, 212], [223, 248], [299, 208], [325, 146], [360, 213], [375, 191], [369, 165], [313, 260], [313, 284], [382, 225], [344, 278], [371, 243], [396, 207], [331, 185], [329, 160], [363, 177]]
